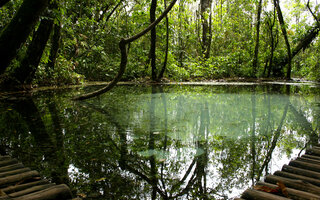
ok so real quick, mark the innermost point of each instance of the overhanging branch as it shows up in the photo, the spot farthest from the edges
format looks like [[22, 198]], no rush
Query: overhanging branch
[[124, 57]]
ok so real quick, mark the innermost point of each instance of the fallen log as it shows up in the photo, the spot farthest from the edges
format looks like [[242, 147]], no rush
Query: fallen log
[[299, 171], [293, 193], [298, 177], [259, 195], [57, 192], [294, 184], [305, 165]]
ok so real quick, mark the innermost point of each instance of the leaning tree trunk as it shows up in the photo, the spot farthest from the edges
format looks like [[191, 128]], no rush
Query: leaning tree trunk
[[25, 72], [256, 50], [284, 32], [152, 54], [303, 43], [124, 58], [18, 30]]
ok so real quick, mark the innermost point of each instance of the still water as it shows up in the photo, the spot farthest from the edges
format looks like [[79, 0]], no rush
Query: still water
[[160, 142]]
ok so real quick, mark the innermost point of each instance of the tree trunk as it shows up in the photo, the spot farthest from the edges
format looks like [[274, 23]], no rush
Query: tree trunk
[[29, 64], [153, 8], [3, 2], [151, 146], [113, 10], [284, 32], [167, 46], [303, 44], [205, 9], [18, 30], [273, 41], [124, 58], [55, 46], [180, 40], [256, 50], [253, 136]]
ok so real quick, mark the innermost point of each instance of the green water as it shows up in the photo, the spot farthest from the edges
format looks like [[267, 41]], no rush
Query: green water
[[179, 142]]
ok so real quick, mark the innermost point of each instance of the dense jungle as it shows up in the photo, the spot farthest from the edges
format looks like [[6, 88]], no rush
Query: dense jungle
[[71, 42], [159, 99]]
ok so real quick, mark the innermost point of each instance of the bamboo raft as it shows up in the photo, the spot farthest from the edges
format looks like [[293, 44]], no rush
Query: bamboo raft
[[298, 180], [20, 183]]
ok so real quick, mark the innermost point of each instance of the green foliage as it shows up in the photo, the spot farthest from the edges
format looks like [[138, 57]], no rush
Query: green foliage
[[86, 143], [89, 44]]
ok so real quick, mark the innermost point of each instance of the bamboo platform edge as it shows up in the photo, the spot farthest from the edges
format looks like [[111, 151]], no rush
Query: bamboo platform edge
[[18, 182], [300, 179]]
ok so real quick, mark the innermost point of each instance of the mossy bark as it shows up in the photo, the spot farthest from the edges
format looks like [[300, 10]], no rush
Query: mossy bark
[[25, 72], [18, 30], [205, 9], [55, 46], [153, 39]]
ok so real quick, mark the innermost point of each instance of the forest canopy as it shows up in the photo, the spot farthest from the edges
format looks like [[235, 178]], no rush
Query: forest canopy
[[67, 42]]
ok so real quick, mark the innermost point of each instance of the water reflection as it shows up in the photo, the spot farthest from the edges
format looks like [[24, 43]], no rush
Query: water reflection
[[160, 142]]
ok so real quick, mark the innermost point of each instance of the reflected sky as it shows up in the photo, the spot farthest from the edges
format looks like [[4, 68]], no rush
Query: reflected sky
[[161, 142]]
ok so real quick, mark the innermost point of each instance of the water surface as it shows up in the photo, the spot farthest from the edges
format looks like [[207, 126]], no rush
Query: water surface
[[161, 142]]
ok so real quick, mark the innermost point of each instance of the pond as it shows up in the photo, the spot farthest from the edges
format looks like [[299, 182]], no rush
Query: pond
[[161, 142]]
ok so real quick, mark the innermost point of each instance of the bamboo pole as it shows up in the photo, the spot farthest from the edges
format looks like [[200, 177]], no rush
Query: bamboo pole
[[298, 177], [314, 152], [293, 193], [11, 167], [17, 188], [8, 162], [309, 160], [18, 178], [260, 195], [13, 172], [299, 171], [295, 184], [30, 190], [4, 158], [311, 157], [57, 192], [305, 165]]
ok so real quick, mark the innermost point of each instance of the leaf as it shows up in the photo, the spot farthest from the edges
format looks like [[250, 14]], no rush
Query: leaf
[[2, 193], [101, 179], [283, 188], [266, 189], [82, 195]]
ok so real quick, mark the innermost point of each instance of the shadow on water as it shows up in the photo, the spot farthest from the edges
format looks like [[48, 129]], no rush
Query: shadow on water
[[161, 142]]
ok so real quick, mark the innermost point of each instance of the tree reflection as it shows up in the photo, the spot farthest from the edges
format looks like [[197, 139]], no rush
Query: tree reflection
[[159, 142], [43, 147]]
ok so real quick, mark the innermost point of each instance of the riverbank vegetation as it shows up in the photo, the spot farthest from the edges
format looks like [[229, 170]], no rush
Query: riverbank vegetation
[[69, 42]]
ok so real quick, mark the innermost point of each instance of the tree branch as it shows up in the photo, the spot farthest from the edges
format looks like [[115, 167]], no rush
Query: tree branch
[[124, 57]]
